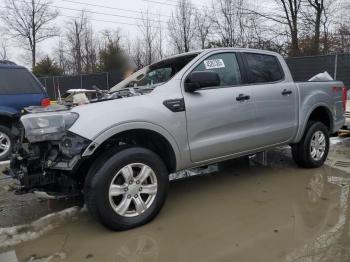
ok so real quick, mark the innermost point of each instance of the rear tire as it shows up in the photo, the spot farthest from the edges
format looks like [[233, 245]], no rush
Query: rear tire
[[5, 143], [312, 150], [136, 201]]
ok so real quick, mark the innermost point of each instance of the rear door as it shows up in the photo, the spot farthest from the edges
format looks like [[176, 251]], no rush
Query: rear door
[[220, 119], [19, 88], [275, 99]]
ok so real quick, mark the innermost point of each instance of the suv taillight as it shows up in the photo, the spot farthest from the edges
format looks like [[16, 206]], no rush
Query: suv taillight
[[344, 97], [45, 102]]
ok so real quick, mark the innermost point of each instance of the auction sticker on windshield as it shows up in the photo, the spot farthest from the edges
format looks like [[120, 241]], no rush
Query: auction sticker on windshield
[[214, 63]]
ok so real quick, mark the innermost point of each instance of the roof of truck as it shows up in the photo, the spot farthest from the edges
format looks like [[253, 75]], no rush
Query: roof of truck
[[197, 52]]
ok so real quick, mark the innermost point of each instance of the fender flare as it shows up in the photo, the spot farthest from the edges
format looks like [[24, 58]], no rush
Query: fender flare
[[306, 119], [116, 129]]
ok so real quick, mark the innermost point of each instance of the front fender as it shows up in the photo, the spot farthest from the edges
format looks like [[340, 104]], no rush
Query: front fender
[[121, 127]]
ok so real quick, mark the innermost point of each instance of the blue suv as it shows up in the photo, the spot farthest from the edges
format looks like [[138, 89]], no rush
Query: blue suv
[[18, 89]]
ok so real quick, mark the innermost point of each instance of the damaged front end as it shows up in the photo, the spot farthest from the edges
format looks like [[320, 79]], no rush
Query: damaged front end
[[46, 156]]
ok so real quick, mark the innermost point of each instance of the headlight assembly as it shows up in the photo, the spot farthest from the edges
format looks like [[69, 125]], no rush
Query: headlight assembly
[[47, 126]]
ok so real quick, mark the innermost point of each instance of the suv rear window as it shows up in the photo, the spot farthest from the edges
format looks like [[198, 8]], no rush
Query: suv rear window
[[263, 68], [18, 81]]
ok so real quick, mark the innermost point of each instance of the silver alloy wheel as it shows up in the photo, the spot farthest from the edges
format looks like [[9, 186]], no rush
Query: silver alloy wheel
[[133, 190], [5, 144], [317, 145]]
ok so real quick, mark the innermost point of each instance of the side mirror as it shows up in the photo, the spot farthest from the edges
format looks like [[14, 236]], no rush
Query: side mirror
[[201, 79]]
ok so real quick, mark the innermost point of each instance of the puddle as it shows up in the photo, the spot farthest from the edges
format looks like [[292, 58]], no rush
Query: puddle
[[239, 210]]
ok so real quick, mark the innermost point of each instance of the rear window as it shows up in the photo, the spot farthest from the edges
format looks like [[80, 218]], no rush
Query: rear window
[[18, 81], [263, 68]]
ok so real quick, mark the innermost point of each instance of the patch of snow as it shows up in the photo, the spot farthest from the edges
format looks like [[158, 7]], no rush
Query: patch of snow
[[337, 140], [4, 163], [55, 256], [11, 236], [84, 209], [9, 256]]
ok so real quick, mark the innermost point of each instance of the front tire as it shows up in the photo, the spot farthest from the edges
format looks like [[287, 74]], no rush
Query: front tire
[[312, 150], [5, 143], [126, 189]]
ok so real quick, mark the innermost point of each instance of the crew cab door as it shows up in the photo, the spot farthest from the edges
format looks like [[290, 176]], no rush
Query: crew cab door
[[220, 119], [275, 99]]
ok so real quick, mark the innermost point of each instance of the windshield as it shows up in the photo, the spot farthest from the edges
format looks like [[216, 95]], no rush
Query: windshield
[[154, 75], [152, 78]]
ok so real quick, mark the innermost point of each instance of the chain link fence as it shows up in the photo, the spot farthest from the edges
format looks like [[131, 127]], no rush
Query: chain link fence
[[337, 65], [56, 85]]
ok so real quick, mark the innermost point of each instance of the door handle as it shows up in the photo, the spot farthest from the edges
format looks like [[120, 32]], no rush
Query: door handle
[[286, 92], [242, 97]]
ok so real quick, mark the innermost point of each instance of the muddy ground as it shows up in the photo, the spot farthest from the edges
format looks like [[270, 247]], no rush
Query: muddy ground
[[259, 209]]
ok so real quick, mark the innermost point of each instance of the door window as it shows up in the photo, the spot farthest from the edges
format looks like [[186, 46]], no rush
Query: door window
[[263, 68], [225, 65]]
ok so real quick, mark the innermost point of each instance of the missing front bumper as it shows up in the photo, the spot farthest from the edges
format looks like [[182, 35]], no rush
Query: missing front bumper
[[48, 166]]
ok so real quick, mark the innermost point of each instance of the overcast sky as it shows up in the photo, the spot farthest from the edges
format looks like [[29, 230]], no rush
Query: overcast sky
[[113, 14], [114, 17]]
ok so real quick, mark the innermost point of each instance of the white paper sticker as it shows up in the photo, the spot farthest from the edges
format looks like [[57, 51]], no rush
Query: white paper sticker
[[214, 63]]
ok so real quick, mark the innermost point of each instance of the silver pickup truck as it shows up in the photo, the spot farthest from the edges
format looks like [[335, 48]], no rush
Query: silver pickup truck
[[185, 111]]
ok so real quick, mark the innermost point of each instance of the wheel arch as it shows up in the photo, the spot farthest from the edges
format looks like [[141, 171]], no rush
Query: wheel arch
[[318, 113], [148, 135]]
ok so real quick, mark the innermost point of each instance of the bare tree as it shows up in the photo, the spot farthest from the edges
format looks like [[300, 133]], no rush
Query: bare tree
[[74, 36], [181, 26], [30, 22], [321, 16], [340, 37], [82, 44], [233, 22], [90, 51], [318, 6], [290, 16], [148, 29], [203, 26], [343, 39], [287, 14], [3, 50], [160, 40], [137, 54], [115, 37]]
